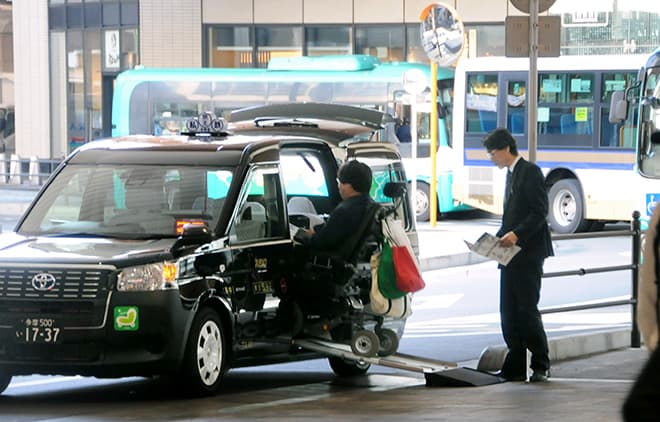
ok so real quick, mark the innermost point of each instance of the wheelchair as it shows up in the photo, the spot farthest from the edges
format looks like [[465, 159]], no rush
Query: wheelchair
[[328, 295]]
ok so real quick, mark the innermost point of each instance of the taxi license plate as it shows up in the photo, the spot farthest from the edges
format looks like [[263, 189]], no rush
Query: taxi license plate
[[38, 330], [262, 287]]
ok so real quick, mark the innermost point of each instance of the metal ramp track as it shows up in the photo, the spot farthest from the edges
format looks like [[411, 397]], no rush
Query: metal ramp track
[[436, 372]]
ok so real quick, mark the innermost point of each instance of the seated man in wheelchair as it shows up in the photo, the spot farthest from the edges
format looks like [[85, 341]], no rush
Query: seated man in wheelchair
[[354, 182], [334, 278]]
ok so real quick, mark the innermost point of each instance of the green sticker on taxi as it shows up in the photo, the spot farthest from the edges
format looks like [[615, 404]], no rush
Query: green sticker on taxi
[[126, 318]]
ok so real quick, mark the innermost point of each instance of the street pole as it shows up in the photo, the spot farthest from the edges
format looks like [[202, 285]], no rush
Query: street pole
[[533, 89], [433, 201]]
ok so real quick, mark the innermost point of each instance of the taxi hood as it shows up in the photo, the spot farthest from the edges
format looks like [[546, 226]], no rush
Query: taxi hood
[[332, 122]]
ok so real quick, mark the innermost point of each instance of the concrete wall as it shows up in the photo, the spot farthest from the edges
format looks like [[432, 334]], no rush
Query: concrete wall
[[345, 11], [31, 78], [171, 33]]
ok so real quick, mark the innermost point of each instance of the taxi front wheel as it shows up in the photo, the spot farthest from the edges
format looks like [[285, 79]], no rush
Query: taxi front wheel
[[4, 382], [204, 361]]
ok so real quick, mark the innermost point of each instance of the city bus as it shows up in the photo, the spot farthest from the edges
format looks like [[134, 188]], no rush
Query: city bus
[[588, 162], [639, 109], [156, 101]]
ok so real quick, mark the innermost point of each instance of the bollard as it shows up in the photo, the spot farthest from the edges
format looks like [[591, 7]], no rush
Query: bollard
[[15, 170], [3, 168], [636, 246], [33, 171]]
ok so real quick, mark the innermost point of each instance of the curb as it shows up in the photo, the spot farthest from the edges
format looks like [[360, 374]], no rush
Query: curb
[[452, 260], [563, 348]]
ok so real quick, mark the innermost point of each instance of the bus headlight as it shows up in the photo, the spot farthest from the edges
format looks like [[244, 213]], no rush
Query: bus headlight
[[150, 277]]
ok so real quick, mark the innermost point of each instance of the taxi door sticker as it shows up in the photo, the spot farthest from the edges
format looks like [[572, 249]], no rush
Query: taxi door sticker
[[126, 318]]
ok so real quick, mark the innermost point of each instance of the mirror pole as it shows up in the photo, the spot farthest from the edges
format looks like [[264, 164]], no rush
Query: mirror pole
[[433, 206]]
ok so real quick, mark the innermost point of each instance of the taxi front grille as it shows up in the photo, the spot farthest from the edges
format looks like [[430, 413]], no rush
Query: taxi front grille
[[68, 283]]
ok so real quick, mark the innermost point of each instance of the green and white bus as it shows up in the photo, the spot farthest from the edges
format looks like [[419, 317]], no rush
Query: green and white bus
[[155, 101]]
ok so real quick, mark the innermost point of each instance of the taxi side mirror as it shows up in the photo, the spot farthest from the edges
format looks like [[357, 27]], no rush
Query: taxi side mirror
[[193, 236]]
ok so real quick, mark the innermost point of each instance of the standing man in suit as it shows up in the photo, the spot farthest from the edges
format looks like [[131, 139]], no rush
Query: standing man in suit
[[523, 224]]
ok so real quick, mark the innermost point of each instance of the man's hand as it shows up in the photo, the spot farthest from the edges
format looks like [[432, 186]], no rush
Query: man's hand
[[509, 239]]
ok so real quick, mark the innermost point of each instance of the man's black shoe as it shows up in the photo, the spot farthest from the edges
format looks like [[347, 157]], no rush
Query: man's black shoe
[[539, 376], [510, 377]]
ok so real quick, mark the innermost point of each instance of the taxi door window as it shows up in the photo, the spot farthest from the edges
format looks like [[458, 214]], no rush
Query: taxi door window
[[260, 210]]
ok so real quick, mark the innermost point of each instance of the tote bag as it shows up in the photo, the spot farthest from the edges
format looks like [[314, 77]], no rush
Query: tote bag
[[406, 269], [408, 278], [379, 304], [387, 280]]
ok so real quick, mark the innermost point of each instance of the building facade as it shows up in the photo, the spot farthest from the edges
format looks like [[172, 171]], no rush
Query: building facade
[[60, 87]]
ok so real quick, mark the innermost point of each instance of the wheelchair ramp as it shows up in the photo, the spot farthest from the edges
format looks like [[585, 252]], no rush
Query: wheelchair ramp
[[436, 372]]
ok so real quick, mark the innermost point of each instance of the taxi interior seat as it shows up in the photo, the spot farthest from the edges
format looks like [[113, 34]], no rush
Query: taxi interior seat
[[144, 206], [301, 206], [251, 223]]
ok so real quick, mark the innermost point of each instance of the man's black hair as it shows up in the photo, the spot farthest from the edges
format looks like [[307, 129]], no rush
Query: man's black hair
[[500, 138], [356, 174]]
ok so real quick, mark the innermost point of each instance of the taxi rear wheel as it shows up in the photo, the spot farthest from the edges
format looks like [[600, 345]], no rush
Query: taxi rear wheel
[[204, 361], [4, 382]]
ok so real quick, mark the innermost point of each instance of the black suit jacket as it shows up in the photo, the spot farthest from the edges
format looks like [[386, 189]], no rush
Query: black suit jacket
[[525, 214]]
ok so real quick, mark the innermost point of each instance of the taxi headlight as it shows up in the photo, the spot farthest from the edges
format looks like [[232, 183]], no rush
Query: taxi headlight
[[150, 277]]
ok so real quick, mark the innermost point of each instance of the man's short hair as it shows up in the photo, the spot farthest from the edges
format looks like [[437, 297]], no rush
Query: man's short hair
[[356, 174], [500, 138]]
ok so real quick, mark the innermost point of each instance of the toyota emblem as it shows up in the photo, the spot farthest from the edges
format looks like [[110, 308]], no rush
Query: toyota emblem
[[43, 282]]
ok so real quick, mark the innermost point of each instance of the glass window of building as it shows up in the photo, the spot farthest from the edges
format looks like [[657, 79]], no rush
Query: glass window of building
[[415, 51], [277, 41], [323, 40], [485, 40], [129, 48], [230, 46], [110, 14], [76, 88], [383, 41], [93, 85]]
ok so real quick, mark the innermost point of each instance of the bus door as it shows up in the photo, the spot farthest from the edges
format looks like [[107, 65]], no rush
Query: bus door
[[512, 103]]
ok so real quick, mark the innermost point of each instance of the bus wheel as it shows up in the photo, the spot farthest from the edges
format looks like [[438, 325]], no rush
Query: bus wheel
[[4, 381], [348, 368], [204, 361], [422, 202], [566, 207]]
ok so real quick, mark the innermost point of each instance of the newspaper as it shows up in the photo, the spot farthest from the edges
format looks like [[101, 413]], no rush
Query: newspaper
[[489, 246]]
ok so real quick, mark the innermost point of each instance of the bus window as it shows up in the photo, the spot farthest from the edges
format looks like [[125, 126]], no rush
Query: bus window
[[515, 100], [481, 103], [566, 106], [612, 134]]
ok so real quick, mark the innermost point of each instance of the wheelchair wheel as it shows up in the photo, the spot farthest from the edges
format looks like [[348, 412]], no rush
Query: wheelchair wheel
[[389, 342], [348, 368], [365, 343]]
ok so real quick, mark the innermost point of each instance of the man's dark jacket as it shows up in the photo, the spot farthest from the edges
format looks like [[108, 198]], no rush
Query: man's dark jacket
[[525, 213], [343, 222]]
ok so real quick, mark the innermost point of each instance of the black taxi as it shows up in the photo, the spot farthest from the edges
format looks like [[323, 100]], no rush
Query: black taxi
[[146, 255]]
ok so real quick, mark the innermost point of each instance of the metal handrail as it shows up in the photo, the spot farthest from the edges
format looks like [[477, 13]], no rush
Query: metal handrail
[[633, 267]]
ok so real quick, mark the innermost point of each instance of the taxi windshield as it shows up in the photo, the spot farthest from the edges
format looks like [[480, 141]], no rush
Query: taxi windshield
[[128, 201]]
